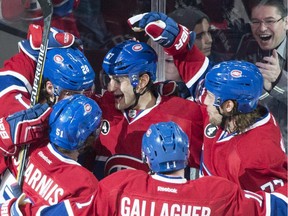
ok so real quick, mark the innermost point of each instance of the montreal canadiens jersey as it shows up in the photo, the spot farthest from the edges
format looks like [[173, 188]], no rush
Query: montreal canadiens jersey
[[16, 79], [134, 192], [254, 160], [122, 132], [192, 66], [139, 193], [50, 177]]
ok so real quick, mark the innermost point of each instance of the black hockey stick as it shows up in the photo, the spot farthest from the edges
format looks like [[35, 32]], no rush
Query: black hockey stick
[[47, 10], [12, 30]]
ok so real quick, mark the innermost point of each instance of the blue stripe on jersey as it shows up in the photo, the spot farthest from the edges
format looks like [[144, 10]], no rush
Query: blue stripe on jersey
[[279, 205], [58, 209], [8, 80]]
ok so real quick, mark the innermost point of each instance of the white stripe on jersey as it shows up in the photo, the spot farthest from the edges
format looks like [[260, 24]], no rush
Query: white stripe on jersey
[[11, 88], [199, 73]]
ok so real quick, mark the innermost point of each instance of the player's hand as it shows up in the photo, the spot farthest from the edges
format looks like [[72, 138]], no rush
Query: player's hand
[[12, 206], [56, 39], [270, 69], [163, 30], [27, 126]]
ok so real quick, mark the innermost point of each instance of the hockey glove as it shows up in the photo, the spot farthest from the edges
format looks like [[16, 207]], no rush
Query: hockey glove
[[27, 126], [12, 206], [175, 88], [57, 39], [163, 30]]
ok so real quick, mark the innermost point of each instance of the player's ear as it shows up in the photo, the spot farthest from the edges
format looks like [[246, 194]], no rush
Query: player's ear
[[228, 106], [144, 80], [286, 22]]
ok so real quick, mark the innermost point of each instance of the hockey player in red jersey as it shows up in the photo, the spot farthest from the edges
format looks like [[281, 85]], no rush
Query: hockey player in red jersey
[[132, 103], [244, 145], [66, 70], [52, 173], [165, 191], [240, 130]]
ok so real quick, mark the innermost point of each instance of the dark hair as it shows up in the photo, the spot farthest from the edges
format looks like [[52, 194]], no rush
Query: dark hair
[[43, 95], [279, 4], [188, 16], [244, 120]]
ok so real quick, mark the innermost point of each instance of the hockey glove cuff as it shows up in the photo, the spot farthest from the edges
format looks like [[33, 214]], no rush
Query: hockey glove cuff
[[12, 206], [184, 40], [27, 126], [173, 88]]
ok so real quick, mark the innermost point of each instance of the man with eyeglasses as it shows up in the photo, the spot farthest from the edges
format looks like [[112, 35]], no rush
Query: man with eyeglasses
[[269, 30]]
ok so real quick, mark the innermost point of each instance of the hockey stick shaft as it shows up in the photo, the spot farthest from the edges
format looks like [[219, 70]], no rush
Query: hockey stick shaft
[[47, 10]]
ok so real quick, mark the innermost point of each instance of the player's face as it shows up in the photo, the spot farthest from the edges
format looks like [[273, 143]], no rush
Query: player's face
[[122, 89], [214, 116], [203, 37], [268, 26]]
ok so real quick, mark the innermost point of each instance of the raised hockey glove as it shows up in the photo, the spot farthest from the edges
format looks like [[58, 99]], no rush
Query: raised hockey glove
[[27, 126], [57, 39], [163, 30]]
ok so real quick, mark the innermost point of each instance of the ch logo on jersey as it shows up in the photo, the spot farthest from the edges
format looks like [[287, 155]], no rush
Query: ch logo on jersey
[[121, 161], [210, 130], [105, 127]]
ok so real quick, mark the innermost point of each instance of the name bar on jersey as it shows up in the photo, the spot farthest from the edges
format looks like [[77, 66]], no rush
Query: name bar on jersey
[[142, 207]]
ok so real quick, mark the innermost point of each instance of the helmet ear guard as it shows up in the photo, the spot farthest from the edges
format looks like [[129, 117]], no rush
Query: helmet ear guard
[[134, 79]]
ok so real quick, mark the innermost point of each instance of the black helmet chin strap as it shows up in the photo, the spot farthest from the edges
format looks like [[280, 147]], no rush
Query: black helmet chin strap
[[225, 118], [218, 109], [137, 95]]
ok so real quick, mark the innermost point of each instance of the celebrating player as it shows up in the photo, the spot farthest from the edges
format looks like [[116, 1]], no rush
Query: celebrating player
[[165, 149], [165, 191], [52, 173], [132, 103], [244, 145], [66, 72]]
